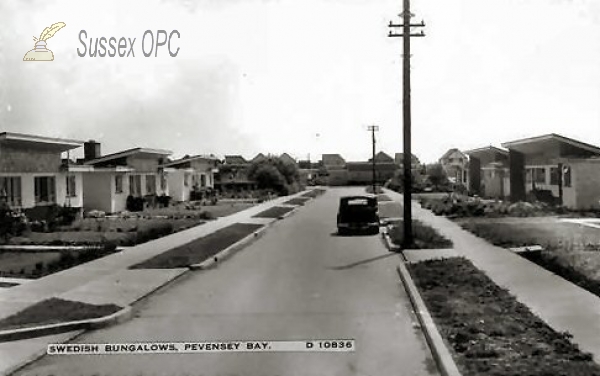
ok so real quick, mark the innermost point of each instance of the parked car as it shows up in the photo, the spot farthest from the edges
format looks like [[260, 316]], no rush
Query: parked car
[[358, 214]]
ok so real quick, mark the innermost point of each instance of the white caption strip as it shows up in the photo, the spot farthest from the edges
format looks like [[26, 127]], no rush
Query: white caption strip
[[321, 345]]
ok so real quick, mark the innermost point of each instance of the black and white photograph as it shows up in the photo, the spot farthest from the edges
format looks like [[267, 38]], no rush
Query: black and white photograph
[[299, 187]]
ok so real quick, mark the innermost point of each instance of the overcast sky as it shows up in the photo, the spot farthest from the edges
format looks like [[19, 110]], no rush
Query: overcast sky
[[304, 76]]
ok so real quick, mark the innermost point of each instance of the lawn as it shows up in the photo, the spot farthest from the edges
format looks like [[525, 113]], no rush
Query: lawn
[[488, 331], [194, 209], [274, 212], [200, 249], [32, 264], [54, 311], [570, 250], [297, 201], [24, 263]]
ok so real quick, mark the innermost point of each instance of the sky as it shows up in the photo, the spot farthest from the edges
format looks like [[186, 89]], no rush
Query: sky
[[304, 77]]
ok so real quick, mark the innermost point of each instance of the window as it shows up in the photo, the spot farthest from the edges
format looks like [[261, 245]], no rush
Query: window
[[554, 174], [540, 175], [45, 189], [567, 176], [10, 190], [118, 183], [150, 184], [186, 179], [71, 186], [203, 180], [135, 185]]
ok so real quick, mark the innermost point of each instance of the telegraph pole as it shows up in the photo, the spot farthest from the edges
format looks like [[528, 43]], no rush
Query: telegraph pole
[[406, 114], [373, 129]]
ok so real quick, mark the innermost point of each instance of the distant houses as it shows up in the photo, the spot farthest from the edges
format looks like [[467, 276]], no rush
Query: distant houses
[[339, 172], [456, 163]]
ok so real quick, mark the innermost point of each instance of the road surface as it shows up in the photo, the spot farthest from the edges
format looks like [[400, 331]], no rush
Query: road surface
[[299, 281]]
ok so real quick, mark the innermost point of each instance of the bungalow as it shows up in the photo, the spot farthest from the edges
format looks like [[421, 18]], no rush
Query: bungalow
[[116, 176], [488, 172], [566, 169], [32, 173], [455, 163], [195, 173]]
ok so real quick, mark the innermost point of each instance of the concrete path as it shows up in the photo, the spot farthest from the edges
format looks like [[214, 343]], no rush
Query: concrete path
[[563, 305], [298, 281]]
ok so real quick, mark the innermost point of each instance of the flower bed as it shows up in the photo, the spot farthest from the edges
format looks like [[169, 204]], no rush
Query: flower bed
[[488, 331]]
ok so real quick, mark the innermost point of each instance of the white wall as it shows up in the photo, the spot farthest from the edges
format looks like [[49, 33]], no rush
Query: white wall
[[28, 188]]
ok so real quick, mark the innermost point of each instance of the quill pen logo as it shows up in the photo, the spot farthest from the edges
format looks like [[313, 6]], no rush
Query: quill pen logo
[[40, 52]]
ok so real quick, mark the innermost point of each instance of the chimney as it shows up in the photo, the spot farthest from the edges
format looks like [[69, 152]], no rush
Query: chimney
[[91, 150]]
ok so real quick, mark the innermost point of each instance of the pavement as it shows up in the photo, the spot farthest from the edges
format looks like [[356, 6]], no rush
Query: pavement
[[106, 281], [561, 304], [298, 281]]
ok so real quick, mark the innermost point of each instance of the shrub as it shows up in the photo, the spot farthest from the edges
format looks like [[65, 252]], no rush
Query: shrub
[[134, 204], [163, 200], [206, 215]]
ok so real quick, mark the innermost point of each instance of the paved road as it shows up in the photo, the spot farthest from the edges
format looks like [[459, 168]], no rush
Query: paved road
[[299, 281]]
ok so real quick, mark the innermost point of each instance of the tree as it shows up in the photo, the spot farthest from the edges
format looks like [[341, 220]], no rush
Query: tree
[[436, 175], [275, 174], [268, 177]]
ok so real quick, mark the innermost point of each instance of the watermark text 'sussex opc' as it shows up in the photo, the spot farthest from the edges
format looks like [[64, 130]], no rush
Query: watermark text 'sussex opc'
[[152, 44]]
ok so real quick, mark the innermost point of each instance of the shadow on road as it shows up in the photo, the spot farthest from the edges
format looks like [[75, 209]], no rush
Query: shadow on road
[[362, 262]]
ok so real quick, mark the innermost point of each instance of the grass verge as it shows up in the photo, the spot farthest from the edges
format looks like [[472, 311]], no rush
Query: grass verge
[[54, 311], [425, 237], [488, 331], [274, 212], [569, 251], [199, 249], [297, 201]]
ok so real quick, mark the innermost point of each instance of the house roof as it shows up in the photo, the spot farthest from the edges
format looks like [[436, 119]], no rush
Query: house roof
[[382, 157], [141, 152], [450, 151], [58, 144], [189, 159], [548, 141], [235, 159], [332, 159], [258, 157], [286, 156], [487, 150]]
